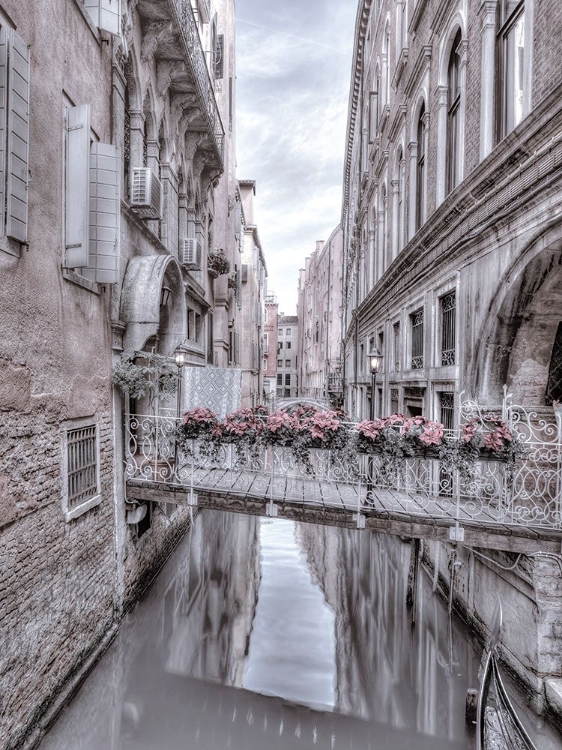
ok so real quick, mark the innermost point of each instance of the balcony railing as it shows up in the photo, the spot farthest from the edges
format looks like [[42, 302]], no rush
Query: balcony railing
[[196, 56]]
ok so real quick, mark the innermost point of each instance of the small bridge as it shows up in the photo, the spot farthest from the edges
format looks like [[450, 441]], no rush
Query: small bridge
[[519, 514]]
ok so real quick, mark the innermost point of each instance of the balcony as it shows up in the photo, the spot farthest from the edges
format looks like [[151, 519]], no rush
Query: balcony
[[171, 43]]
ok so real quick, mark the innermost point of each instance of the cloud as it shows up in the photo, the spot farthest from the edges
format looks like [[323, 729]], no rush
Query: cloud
[[293, 73]]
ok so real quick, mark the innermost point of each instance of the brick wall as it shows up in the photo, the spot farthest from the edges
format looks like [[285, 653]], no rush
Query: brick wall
[[57, 580]]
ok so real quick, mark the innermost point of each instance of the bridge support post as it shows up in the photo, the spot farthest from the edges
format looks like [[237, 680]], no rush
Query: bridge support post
[[271, 509], [359, 518]]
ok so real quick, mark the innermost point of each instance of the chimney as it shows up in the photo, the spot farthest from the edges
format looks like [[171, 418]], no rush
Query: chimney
[[319, 244]]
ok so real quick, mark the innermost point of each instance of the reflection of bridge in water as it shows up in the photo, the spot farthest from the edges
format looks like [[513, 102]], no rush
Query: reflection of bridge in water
[[521, 515]]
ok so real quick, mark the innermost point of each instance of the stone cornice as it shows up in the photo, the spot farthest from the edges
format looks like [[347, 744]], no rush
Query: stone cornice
[[361, 23], [399, 120]]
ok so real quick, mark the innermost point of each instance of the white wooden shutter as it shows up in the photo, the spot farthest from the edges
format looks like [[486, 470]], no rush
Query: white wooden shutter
[[3, 119], [77, 186], [110, 16], [103, 263], [18, 138], [105, 14]]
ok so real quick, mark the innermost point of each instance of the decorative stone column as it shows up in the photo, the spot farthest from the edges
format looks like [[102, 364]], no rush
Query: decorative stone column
[[488, 12]]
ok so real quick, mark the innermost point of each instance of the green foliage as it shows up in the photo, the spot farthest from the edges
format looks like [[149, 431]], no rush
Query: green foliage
[[156, 375]]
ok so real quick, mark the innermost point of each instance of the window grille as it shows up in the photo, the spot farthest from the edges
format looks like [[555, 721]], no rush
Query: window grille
[[448, 410], [447, 416], [82, 473], [448, 328], [417, 340], [396, 332], [394, 400]]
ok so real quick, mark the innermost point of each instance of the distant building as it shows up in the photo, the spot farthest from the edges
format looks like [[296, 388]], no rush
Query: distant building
[[287, 356], [320, 321], [253, 291], [270, 324]]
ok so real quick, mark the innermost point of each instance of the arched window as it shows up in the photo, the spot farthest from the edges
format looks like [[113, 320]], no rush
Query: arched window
[[511, 79], [420, 170], [382, 231], [453, 115], [386, 65]]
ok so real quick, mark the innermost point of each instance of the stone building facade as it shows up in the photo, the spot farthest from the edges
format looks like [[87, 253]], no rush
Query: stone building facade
[[452, 237], [119, 194], [253, 282], [287, 356], [270, 326], [320, 315]]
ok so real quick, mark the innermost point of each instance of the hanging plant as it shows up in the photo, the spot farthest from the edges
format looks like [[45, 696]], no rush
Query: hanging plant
[[157, 375]]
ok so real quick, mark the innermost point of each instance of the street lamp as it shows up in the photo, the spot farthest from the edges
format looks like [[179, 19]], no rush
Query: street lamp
[[180, 357], [375, 364]]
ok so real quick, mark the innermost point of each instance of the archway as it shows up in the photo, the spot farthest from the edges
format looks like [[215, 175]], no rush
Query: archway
[[522, 345]]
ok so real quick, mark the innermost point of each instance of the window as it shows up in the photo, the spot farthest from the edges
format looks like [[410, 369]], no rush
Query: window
[[279, 345], [394, 400], [14, 139], [81, 475], [447, 418], [287, 344], [288, 331], [287, 363], [396, 346], [279, 363], [448, 329], [279, 379], [279, 331], [453, 115], [511, 42], [417, 339], [288, 379], [447, 410], [92, 201], [420, 170]]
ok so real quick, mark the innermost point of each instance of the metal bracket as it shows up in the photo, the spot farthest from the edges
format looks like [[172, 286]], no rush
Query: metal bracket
[[271, 510], [192, 498], [360, 519], [456, 533]]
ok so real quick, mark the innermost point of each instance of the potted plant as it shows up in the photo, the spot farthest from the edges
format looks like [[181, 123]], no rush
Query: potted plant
[[217, 264]]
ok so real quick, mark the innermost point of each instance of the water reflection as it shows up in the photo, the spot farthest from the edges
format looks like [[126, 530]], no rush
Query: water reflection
[[314, 615], [293, 625]]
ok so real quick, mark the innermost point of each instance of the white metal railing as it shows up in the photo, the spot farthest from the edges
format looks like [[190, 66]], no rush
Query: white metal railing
[[527, 495]]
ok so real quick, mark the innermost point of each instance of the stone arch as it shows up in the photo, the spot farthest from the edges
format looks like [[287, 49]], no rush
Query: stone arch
[[141, 303], [457, 23], [516, 340]]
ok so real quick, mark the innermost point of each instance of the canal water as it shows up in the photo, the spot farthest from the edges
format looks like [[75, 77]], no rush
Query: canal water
[[263, 633]]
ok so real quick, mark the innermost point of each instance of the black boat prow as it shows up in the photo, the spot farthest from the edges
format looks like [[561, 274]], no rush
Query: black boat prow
[[498, 726]]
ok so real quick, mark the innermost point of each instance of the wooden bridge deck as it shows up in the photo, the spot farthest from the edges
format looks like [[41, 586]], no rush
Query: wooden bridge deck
[[311, 500]]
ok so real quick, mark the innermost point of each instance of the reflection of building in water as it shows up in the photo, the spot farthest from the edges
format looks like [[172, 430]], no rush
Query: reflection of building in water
[[387, 670]]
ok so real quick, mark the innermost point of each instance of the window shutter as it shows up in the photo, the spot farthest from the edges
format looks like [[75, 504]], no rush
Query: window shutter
[[110, 16], [103, 263], [18, 138], [105, 14], [77, 185]]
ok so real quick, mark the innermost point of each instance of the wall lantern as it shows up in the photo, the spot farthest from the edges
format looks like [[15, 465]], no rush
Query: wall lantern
[[165, 296]]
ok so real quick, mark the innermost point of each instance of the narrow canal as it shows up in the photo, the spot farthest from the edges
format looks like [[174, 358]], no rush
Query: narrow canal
[[262, 633]]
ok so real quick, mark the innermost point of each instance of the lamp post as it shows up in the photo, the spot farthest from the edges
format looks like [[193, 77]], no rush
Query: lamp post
[[180, 357], [375, 363]]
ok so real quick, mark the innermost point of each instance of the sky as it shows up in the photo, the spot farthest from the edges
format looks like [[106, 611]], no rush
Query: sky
[[293, 75]]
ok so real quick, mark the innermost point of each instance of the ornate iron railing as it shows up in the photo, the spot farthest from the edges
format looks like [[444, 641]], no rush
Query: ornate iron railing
[[196, 56], [527, 493]]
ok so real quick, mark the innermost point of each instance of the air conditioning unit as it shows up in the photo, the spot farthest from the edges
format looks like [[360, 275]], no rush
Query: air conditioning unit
[[146, 193], [190, 253]]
